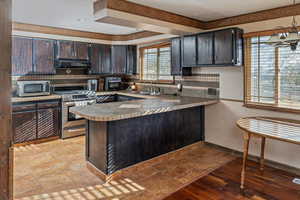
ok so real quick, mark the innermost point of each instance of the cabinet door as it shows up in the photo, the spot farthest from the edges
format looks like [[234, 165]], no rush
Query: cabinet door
[[48, 124], [189, 50], [105, 51], [205, 49], [21, 56], [95, 59], [176, 56], [24, 126], [223, 53], [131, 60], [65, 50], [43, 56], [119, 59], [81, 50]]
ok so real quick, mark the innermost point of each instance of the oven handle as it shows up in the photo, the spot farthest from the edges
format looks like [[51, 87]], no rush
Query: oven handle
[[73, 104]]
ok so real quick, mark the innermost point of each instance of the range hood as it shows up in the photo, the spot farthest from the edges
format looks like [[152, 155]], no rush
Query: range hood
[[72, 63]]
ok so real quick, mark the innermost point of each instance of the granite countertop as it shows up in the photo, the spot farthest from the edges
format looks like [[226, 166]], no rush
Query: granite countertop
[[137, 108], [38, 98]]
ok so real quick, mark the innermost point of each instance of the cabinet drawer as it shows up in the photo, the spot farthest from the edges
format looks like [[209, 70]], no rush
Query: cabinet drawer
[[23, 107], [48, 104]]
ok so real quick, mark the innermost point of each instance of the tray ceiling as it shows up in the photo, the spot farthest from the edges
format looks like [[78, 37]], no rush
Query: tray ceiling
[[71, 14], [207, 10]]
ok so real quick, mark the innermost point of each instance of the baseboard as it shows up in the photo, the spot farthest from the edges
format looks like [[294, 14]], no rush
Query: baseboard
[[269, 163]]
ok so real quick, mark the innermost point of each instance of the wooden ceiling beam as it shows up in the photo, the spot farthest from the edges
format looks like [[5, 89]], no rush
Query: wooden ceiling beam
[[275, 13], [130, 14], [83, 34], [136, 14]]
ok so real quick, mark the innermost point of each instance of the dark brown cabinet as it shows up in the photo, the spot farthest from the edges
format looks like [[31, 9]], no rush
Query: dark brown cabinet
[[82, 50], [100, 59], [189, 51], [176, 56], [176, 61], [205, 48], [223, 53], [32, 121], [24, 125], [131, 67], [118, 59], [228, 47], [48, 119], [72, 50], [216, 48], [22, 63], [43, 56]]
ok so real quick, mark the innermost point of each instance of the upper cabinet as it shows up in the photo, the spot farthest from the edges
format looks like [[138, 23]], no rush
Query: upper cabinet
[[205, 42], [189, 51], [72, 50], [43, 56], [228, 47], [22, 63], [217, 48], [100, 59], [131, 66], [176, 56], [224, 47], [118, 59]]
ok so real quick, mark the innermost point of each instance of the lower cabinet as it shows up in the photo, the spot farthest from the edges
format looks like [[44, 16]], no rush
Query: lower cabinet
[[32, 121], [24, 126]]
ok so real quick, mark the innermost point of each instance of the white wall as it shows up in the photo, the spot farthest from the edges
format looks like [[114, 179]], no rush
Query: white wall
[[221, 118], [221, 130]]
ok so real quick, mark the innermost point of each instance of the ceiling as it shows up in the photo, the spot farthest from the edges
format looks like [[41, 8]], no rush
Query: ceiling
[[71, 14], [206, 10], [78, 14]]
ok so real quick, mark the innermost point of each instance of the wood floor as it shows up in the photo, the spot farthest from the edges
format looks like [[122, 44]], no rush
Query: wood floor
[[223, 184]]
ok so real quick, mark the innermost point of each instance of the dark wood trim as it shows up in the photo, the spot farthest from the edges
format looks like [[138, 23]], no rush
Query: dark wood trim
[[6, 153], [39, 141], [233, 100], [84, 34], [266, 32], [269, 163], [274, 13], [271, 108], [146, 11]]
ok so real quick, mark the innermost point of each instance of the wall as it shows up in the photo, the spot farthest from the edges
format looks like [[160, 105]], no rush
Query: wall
[[221, 119]]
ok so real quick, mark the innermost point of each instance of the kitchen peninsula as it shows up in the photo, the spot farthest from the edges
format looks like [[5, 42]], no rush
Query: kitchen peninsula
[[122, 134]]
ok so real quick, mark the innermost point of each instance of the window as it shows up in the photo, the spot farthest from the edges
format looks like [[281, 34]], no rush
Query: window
[[156, 63], [272, 74]]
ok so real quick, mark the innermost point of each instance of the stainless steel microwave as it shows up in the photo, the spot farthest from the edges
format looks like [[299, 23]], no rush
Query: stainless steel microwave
[[33, 88]]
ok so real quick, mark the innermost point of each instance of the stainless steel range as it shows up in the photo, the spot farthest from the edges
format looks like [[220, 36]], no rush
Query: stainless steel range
[[73, 125]]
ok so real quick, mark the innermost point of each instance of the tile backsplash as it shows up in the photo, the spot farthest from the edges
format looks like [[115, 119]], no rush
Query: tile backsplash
[[200, 85]]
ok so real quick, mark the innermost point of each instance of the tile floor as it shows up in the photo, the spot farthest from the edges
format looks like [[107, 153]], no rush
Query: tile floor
[[57, 171]]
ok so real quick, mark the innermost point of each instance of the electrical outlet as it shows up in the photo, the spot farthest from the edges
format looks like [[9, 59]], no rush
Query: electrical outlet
[[296, 181]]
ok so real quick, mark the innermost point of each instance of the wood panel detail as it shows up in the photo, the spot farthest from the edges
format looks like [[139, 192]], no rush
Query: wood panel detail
[[84, 34], [263, 15], [6, 168], [145, 11]]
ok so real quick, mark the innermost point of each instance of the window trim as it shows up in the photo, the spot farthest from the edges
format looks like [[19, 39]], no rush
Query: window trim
[[141, 57], [247, 79]]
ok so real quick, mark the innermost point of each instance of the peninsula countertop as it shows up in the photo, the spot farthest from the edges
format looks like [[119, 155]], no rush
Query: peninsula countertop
[[137, 108]]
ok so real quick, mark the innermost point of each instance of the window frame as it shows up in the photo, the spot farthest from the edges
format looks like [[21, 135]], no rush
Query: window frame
[[247, 78], [141, 51]]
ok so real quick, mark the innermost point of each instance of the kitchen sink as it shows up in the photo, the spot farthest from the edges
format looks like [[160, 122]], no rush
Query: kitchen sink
[[114, 98]]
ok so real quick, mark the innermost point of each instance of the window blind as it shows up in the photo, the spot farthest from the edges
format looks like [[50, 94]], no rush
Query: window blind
[[272, 74], [157, 64]]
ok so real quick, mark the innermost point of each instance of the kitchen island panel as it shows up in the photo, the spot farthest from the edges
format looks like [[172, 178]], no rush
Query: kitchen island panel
[[130, 141]]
